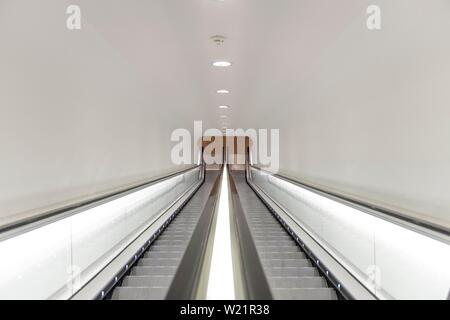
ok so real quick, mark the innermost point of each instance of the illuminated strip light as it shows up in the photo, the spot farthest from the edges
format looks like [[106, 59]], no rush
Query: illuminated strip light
[[221, 277]]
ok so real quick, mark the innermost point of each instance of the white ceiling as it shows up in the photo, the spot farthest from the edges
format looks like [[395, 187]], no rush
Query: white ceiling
[[269, 42], [159, 35], [262, 36]]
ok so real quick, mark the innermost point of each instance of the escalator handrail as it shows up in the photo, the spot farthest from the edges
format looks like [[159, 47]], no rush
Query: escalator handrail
[[255, 280], [78, 207], [186, 281], [367, 207]]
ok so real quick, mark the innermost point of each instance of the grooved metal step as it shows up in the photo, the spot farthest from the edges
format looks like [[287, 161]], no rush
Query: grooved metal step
[[153, 271], [133, 293], [162, 262], [297, 282], [292, 272], [147, 281], [286, 263], [167, 249], [282, 255], [163, 254], [305, 294]]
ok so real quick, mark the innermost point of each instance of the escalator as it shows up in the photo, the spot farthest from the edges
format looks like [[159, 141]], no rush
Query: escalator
[[165, 270], [153, 274], [289, 272], [169, 257]]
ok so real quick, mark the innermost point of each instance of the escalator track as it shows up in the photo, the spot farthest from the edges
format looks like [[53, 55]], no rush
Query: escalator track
[[153, 274], [161, 271], [290, 273]]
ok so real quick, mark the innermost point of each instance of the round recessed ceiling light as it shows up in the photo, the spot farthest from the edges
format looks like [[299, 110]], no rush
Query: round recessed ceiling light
[[221, 64], [224, 107], [223, 91]]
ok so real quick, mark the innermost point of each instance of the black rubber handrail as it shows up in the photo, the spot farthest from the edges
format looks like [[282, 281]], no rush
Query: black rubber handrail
[[360, 203], [255, 280], [86, 204], [186, 281]]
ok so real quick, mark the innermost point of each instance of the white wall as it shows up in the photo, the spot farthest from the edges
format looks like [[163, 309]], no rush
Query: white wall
[[364, 113], [86, 112]]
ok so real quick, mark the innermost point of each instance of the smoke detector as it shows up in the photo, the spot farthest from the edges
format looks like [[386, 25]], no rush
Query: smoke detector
[[218, 40]]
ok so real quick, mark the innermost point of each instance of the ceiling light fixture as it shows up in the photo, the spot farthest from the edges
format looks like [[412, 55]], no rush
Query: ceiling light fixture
[[224, 107], [223, 91], [218, 40], [222, 64]]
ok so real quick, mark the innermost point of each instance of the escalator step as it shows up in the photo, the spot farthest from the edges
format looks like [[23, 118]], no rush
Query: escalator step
[[147, 281], [305, 294], [282, 255], [170, 242], [272, 237], [286, 263], [265, 233], [274, 243], [183, 228], [156, 248], [297, 282], [183, 237], [127, 293], [292, 272], [145, 262], [277, 249], [152, 271], [163, 255], [176, 232]]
